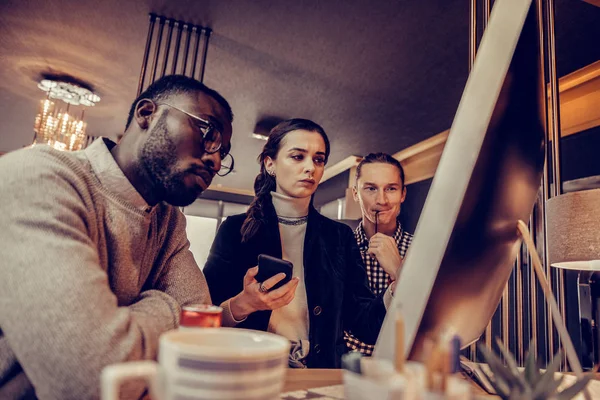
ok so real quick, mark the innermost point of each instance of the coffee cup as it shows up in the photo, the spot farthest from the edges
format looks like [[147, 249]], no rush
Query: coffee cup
[[208, 364]]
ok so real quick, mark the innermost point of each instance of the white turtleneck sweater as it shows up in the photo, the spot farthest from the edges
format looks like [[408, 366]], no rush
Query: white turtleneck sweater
[[292, 321]]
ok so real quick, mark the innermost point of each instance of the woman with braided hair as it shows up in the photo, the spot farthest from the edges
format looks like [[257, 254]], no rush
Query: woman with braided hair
[[329, 292]]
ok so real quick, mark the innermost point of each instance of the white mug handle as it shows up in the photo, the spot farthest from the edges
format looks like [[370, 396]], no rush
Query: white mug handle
[[113, 376]]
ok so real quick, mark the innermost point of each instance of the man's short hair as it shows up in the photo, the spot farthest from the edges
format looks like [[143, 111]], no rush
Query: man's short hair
[[381, 158], [171, 85]]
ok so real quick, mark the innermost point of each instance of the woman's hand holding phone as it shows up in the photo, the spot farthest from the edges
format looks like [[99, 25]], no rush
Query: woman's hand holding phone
[[251, 299]]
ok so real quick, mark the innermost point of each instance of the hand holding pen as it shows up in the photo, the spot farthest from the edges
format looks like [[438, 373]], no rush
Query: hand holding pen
[[385, 250]]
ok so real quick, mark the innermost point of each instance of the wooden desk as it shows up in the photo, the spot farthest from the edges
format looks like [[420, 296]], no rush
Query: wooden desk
[[302, 379]]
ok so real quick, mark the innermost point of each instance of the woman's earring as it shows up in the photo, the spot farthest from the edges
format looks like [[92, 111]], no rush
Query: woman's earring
[[272, 173]]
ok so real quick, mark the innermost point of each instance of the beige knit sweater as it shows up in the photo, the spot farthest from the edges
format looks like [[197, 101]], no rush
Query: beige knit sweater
[[89, 274]]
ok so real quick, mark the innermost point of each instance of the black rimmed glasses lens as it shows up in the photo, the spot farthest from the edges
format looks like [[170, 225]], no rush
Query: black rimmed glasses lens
[[211, 136], [227, 164]]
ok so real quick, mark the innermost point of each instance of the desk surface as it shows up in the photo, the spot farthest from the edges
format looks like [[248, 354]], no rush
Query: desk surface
[[302, 379]]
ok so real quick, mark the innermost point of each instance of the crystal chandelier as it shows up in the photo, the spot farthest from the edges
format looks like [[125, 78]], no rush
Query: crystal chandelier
[[55, 124]]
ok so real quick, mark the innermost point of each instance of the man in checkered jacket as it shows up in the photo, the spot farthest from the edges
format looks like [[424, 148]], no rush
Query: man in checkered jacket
[[379, 189]]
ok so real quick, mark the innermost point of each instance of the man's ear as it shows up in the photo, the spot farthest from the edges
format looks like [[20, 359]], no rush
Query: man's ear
[[144, 112], [355, 193], [403, 195]]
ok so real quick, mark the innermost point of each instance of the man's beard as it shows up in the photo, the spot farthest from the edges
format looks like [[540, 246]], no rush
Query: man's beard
[[159, 160]]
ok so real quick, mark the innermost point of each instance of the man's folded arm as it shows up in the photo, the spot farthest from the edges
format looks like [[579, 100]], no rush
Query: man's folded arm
[[58, 312]]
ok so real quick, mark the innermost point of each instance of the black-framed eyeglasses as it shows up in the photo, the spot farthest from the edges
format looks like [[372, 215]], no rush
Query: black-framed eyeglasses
[[227, 164], [211, 138]]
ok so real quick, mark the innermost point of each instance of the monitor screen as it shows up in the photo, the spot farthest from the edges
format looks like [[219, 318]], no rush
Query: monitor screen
[[488, 177]]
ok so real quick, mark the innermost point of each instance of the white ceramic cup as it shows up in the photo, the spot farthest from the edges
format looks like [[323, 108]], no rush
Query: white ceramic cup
[[208, 364]]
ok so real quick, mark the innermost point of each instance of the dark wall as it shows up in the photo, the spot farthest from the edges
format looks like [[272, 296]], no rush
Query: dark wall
[[416, 194], [581, 154], [577, 33], [332, 189]]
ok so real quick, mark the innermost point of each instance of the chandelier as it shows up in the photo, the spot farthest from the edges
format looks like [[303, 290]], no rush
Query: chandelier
[[55, 124]]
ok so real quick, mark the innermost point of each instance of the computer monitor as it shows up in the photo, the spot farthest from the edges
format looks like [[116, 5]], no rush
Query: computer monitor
[[466, 241]]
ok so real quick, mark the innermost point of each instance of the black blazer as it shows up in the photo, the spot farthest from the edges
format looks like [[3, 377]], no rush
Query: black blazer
[[337, 288]]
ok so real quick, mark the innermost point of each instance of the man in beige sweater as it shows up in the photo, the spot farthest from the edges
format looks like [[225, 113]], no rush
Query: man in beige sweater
[[94, 259]]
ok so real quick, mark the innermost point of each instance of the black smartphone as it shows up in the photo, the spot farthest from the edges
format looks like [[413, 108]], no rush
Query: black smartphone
[[270, 266]]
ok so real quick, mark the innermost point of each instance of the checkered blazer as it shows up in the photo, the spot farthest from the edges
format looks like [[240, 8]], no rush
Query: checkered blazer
[[378, 278]]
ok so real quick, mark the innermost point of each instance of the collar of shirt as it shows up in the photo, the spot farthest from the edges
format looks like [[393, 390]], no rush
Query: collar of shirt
[[291, 207], [110, 174]]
